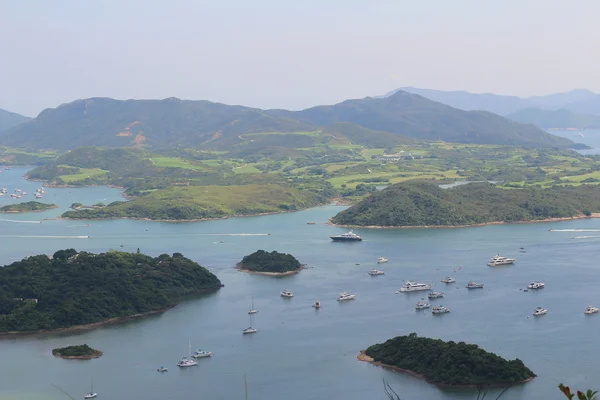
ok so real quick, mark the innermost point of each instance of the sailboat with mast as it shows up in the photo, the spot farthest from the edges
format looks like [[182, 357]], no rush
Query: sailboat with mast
[[249, 329], [188, 361], [252, 310], [91, 394]]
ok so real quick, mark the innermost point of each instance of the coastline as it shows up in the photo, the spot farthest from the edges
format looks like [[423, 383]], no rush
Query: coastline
[[287, 273], [557, 219], [97, 354], [362, 356], [27, 211]]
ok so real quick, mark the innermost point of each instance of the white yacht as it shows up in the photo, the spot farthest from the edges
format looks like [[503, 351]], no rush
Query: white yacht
[[3, 190], [199, 353], [536, 285], [375, 272], [252, 310], [410, 286], [91, 393], [422, 305], [474, 285], [38, 196], [346, 237], [539, 311], [162, 369], [382, 260], [440, 310], [500, 260], [448, 279], [590, 310], [287, 293], [435, 295], [317, 305], [345, 296], [249, 329], [187, 361]]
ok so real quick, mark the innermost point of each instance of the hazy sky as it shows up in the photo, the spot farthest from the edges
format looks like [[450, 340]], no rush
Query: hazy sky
[[290, 54]]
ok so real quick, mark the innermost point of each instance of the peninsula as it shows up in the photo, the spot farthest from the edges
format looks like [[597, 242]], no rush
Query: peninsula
[[79, 352], [79, 290], [423, 204], [271, 264], [446, 364], [27, 206]]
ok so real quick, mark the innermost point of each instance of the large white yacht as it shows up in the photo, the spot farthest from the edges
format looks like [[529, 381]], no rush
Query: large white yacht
[[590, 310], [474, 285], [440, 310], [346, 296], [535, 285], [186, 362], [199, 353], [435, 295], [287, 293], [448, 279], [375, 272], [422, 305], [381, 260], [410, 286], [346, 237], [539, 311], [500, 260]]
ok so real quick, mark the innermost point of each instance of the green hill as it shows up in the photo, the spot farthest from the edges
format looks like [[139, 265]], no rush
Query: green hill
[[9, 119], [418, 203], [26, 206], [449, 363], [178, 123], [555, 118], [71, 288], [263, 261]]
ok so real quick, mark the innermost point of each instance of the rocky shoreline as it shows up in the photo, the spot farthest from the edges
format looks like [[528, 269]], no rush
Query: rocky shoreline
[[287, 273]]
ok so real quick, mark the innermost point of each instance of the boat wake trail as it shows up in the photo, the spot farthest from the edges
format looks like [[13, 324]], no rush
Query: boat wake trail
[[233, 234], [44, 237], [574, 230], [585, 237], [20, 222]]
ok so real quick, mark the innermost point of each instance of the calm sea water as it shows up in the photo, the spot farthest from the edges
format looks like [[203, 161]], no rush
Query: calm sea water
[[300, 353], [591, 137]]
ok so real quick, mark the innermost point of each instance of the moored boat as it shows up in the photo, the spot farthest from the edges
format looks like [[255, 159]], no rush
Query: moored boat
[[199, 353], [346, 296], [435, 295], [410, 286], [440, 310], [421, 305], [500, 260], [346, 237], [535, 285], [381, 260], [162, 369], [590, 310], [375, 272], [317, 305], [539, 311], [287, 293], [448, 279], [474, 285]]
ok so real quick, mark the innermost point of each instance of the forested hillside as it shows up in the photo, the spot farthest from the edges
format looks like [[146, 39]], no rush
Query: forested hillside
[[419, 203], [71, 288]]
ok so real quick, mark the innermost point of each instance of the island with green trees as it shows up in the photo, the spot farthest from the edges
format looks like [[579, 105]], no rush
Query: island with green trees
[[81, 290], [272, 264], [425, 204], [27, 206], [78, 352], [446, 364]]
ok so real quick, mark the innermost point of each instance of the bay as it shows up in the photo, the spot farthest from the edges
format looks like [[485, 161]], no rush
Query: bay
[[301, 353]]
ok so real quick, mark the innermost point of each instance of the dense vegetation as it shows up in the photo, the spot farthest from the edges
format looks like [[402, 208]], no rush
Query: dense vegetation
[[26, 206], [196, 202], [448, 363], [82, 350], [71, 288], [418, 203], [177, 123], [263, 261]]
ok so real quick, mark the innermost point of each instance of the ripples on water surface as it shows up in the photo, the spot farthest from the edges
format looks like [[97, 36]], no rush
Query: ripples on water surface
[[301, 353]]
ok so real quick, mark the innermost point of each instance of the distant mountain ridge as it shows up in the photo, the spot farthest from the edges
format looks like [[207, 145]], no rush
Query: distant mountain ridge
[[579, 100], [184, 123], [9, 119], [548, 119]]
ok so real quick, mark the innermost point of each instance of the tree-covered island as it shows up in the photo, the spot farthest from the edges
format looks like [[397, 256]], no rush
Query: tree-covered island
[[78, 352], [274, 263], [80, 290], [27, 206], [425, 204], [446, 364]]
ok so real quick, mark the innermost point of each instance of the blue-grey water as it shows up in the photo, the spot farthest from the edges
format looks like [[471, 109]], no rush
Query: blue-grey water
[[591, 137], [301, 353]]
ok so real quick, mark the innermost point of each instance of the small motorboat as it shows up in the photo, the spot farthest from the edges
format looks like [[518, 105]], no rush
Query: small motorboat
[[345, 296], [474, 285], [590, 310], [536, 285], [539, 311], [421, 305], [162, 369], [202, 353], [440, 310], [375, 272], [287, 293], [381, 260], [317, 305], [435, 295], [249, 330], [448, 279]]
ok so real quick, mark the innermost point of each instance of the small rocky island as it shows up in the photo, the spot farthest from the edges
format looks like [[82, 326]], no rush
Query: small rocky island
[[79, 352], [272, 264], [446, 364], [27, 206]]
